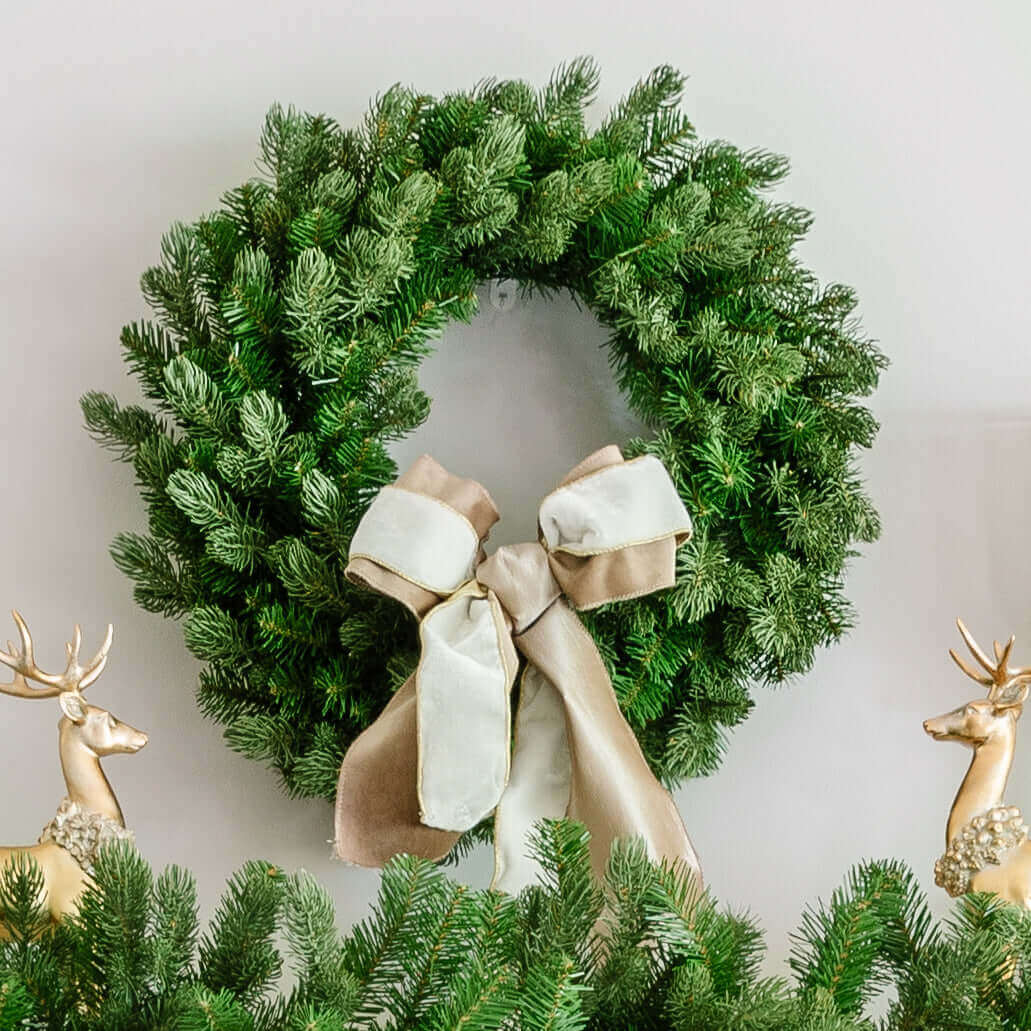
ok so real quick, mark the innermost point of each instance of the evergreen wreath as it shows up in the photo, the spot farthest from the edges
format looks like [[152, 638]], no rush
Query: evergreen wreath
[[283, 362]]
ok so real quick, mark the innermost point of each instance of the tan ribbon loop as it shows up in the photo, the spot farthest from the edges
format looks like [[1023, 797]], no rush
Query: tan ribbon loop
[[437, 760]]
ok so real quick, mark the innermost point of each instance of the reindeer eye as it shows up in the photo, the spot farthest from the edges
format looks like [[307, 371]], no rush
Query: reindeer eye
[[970, 710]]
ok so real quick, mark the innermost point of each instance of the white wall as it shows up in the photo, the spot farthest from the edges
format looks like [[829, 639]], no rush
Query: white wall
[[906, 124]]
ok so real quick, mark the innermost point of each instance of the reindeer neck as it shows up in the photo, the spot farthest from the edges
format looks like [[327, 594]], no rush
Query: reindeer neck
[[985, 782], [85, 780]]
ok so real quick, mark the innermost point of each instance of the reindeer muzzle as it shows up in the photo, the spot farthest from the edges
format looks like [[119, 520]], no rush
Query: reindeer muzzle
[[941, 728], [136, 742]]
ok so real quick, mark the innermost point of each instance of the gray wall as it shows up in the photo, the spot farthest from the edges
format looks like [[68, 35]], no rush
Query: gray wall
[[906, 125]]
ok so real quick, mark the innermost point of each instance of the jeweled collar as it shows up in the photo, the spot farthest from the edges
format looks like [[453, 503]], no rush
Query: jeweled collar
[[82, 832], [982, 841]]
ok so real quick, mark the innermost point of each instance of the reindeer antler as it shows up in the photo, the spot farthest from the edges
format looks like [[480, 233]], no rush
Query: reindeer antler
[[75, 677], [999, 678]]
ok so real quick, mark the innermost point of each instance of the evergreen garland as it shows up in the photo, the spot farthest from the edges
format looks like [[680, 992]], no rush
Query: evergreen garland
[[282, 363], [637, 952]]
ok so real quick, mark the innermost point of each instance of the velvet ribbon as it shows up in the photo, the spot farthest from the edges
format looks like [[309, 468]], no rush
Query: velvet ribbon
[[441, 755]]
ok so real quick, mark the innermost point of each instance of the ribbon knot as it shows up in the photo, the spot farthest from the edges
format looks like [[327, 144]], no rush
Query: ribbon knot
[[440, 757]]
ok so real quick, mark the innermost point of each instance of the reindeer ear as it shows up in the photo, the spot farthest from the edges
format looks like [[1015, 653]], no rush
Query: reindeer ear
[[73, 706], [1015, 702]]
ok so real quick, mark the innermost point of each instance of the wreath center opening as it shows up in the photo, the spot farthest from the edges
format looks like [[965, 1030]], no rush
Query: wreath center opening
[[518, 398]]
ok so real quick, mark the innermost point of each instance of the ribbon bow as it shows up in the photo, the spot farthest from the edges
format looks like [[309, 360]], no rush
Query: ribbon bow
[[440, 758]]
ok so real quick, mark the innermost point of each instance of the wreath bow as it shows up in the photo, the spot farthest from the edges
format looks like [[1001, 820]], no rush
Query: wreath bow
[[440, 756]]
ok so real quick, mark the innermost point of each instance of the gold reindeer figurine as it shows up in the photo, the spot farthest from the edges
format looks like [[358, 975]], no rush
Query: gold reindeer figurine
[[90, 815], [987, 847]]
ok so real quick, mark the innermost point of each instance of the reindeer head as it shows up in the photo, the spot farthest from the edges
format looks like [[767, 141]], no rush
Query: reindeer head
[[94, 727], [982, 719]]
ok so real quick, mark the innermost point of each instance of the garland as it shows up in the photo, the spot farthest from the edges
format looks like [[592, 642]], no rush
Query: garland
[[636, 950], [282, 364]]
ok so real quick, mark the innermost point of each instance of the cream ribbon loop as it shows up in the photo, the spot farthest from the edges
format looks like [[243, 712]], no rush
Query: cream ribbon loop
[[438, 759]]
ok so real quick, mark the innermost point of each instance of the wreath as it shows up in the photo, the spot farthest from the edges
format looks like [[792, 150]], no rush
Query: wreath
[[283, 361]]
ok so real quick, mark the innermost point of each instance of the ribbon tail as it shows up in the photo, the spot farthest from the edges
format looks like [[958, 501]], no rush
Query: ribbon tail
[[539, 785], [463, 686], [377, 804], [612, 791]]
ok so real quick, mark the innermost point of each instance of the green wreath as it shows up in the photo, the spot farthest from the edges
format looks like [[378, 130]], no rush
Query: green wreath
[[283, 361]]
